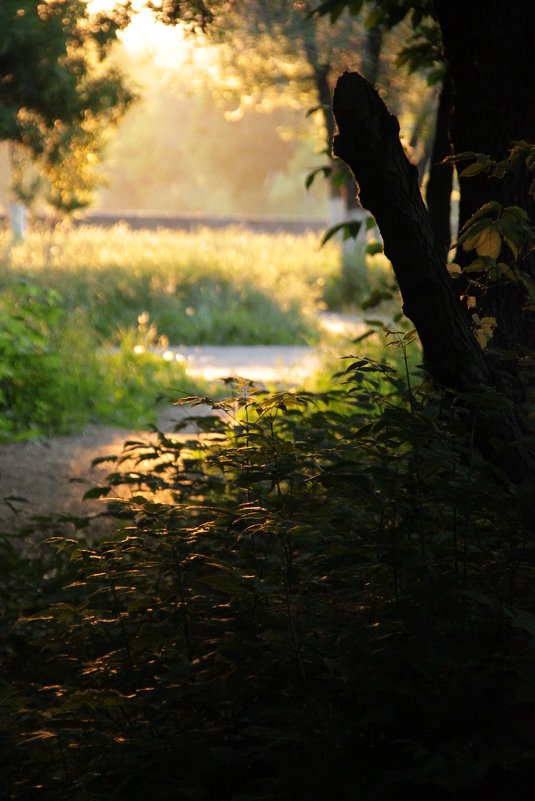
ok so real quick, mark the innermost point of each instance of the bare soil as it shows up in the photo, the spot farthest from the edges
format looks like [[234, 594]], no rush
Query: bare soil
[[49, 476]]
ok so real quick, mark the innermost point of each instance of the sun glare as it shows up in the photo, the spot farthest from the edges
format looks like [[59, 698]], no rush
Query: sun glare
[[167, 44], [170, 46]]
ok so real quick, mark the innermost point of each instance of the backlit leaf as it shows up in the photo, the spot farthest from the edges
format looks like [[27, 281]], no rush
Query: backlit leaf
[[486, 242]]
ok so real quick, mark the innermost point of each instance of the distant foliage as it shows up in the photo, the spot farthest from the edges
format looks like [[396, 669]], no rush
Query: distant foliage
[[61, 97], [29, 363]]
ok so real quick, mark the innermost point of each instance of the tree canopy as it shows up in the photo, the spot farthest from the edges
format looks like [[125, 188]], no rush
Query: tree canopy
[[58, 91], [52, 69]]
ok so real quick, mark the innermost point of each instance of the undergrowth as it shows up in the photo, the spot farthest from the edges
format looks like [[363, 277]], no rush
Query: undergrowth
[[55, 375], [324, 596]]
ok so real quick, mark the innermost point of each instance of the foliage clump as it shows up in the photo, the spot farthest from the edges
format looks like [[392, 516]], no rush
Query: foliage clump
[[323, 596], [54, 375]]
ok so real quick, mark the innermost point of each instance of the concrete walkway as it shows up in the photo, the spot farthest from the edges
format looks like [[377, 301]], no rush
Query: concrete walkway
[[286, 364], [259, 363]]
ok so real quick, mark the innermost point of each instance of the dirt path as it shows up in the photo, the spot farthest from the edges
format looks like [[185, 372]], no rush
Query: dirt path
[[49, 476], [54, 473], [45, 472]]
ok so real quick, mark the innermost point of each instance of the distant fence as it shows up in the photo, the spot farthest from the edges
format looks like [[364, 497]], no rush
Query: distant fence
[[138, 220]]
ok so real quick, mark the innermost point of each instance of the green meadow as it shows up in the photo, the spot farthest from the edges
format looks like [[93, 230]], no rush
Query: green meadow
[[75, 304], [209, 286]]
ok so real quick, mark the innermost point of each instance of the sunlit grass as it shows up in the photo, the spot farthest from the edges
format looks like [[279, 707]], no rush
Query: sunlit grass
[[110, 295], [102, 292], [203, 287]]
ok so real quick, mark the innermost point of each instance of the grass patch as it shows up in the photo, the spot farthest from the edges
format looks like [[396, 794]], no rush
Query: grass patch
[[76, 302], [203, 287]]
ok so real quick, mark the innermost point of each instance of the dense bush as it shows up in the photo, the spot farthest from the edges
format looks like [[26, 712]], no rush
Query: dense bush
[[323, 597]]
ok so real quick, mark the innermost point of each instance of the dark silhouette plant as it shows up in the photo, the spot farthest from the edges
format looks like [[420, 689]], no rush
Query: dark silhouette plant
[[323, 596]]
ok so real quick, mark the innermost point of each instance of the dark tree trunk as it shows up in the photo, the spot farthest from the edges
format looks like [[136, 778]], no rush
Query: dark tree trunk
[[368, 141], [438, 191], [320, 75], [491, 56]]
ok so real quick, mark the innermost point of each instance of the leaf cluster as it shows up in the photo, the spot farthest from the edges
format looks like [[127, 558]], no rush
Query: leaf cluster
[[60, 95], [388, 13], [424, 50], [520, 157], [48, 66], [501, 236]]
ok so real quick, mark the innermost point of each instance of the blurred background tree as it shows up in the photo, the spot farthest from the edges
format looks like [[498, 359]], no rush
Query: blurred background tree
[[60, 96], [234, 119], [221, 121]]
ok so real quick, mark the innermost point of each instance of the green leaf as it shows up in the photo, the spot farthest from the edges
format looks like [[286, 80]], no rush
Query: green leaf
[[373, 248], [96, 492], [337, 12], [332, 7], [103, 459], [309, 180], [457, 157], [490, 209], [475, 169], [313, 110], [485, 240], [355, 7], [350, 228]]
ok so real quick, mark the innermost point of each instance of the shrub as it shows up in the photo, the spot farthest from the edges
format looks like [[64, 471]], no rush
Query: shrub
[[54, 376], [325, 596]]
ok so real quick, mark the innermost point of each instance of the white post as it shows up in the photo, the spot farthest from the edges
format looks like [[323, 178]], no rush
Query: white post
[[19, 220]]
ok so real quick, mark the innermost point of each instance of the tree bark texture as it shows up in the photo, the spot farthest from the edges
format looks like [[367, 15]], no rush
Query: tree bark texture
[[491, 56], [368, 141]]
